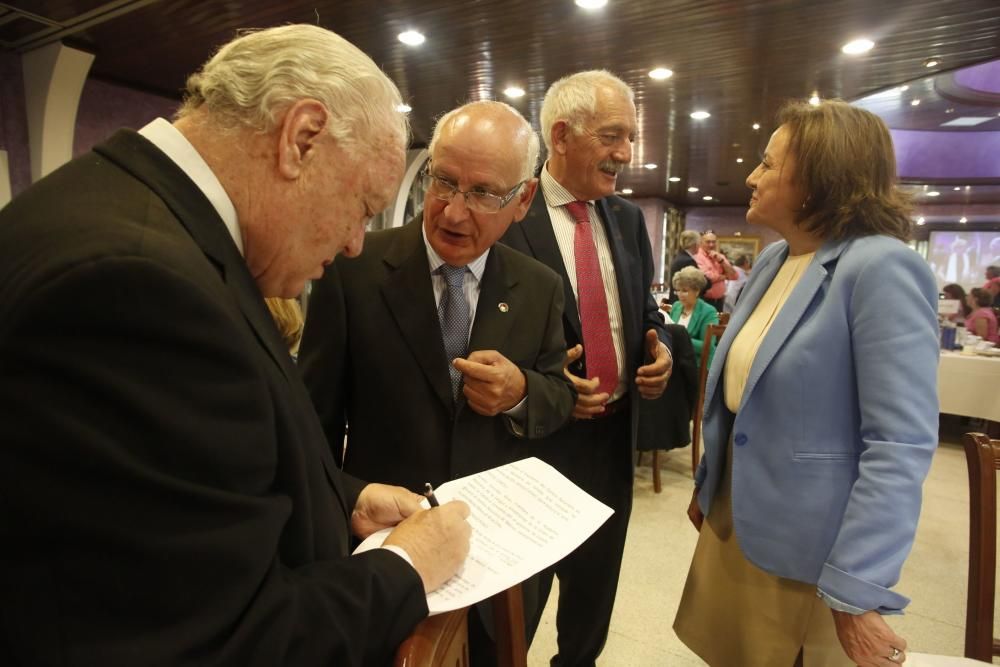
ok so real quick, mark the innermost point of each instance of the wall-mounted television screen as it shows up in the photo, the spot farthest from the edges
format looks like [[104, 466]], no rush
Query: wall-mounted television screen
[[962, 257]]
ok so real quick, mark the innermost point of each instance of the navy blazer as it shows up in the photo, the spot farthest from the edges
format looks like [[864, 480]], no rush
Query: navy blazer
[[633, 259], [838, 421]]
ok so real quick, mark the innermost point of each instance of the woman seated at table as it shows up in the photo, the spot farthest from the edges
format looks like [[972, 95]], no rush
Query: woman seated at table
[[982, 321], [955, 292], [691, 311]]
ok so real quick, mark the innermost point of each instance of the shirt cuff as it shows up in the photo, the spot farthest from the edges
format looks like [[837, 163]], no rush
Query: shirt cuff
[[837, 605], [399, 551], [517, 415]]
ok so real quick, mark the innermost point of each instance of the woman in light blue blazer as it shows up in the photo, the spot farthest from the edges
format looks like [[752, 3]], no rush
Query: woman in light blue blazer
[[691, 311], [821, 412]]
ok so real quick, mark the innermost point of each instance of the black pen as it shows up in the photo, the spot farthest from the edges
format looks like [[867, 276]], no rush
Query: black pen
[[429, 494]]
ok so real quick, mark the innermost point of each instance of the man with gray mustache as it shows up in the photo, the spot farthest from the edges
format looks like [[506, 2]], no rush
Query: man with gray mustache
[[618, 344]]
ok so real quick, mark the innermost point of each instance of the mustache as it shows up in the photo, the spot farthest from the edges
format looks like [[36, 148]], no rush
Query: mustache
[[612, 165]]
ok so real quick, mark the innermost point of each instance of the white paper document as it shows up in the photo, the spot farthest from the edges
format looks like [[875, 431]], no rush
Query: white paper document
[[525, 516]]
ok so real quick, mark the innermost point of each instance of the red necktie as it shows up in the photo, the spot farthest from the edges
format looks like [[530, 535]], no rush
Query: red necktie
[[598, 347]]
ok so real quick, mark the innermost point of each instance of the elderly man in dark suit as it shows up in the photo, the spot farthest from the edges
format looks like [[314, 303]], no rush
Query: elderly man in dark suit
[[377, 355], [169, 497], [598, 243]]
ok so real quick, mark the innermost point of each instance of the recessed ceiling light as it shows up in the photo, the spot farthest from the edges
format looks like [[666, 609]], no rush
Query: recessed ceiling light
[[920, 220], [963, 220], [968, 187], [591, 4], [903, 89], [700, 115], [627, 191], [650, 165], [674, 179], [692, 189], [756, 126], [404, 108], [952, 110], [513, 92], [411, 38], [857, 46], [933, 193], [915, 103], [814, 100], [707, 197], [932, 62], [739, 160], [660, 73], [956, 188]]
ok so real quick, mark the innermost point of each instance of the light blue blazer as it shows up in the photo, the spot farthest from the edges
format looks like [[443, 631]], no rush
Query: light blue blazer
[[838, 422]]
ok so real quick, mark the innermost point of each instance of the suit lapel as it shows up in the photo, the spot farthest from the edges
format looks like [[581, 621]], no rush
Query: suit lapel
[[202, 222], [537, 230], [409, 295], [492, 325]]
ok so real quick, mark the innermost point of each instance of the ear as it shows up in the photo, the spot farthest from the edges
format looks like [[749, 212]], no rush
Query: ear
[[300, 132], [524, 198], [559, 136]]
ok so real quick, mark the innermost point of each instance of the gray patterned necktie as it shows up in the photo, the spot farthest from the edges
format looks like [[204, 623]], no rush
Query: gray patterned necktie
[[453, 312]]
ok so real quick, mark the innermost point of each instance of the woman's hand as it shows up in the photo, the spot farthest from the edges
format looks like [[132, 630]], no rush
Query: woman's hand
[[868, 640], [694, 511]]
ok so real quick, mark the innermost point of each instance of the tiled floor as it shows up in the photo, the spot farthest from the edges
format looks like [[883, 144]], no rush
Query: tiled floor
[[661, 541]]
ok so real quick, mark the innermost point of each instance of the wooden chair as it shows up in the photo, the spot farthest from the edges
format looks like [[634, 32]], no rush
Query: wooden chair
[[983, 458], [712, 332], [443, 640]]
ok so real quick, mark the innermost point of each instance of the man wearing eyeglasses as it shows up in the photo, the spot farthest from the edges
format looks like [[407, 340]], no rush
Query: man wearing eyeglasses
[[618, 356], [438, 349]]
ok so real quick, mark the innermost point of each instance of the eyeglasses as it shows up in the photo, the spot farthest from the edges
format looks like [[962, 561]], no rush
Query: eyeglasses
[[477, 199]]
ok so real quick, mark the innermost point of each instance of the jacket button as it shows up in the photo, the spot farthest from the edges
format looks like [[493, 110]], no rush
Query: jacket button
[[740, 439]]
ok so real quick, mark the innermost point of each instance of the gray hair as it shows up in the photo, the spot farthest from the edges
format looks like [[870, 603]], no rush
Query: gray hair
[[573, 99], [530, 157], [689, 238], [253, 79], [689, 278]]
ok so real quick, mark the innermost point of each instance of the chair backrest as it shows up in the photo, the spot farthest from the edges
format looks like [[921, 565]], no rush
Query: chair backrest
[[712, 333], [983, 458], [443, 640]]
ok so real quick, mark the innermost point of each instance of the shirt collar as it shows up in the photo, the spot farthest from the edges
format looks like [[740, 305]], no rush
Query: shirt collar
[[175, 145], [476, 266], [553, 191]]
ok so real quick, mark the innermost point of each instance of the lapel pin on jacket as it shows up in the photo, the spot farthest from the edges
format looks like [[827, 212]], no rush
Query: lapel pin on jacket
[[503, 307]]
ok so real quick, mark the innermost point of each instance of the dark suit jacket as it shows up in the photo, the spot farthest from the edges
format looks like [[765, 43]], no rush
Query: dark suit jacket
[[372, 355], [168, 496], [665, 423], [633, 260], [681, 260]]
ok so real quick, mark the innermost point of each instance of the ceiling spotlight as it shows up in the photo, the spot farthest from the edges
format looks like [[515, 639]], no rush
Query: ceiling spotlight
[[956, 188], [756, 126], [814, 100], [700, 115], [952, 110], [932, 62], [963, 220], [660, 73], [674, 179], [650, 165], [857, 46], [513, 92], [920, 220], [404, 108], [692, 189], [627, 191], [591, 4], [915, 103], [411, 38], [968, 187], [707, 197], [739, 160], [933, 193]]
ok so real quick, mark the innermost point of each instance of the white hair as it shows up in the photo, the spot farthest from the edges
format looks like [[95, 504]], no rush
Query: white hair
[[529, 160], [689, 238], [253, 79], [573, 99]]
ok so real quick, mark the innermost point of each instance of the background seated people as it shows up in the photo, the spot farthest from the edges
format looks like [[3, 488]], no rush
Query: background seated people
[[691, 311], [957, 292], [982, 321]]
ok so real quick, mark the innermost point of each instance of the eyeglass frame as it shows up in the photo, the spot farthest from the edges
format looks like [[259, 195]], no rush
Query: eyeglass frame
[[504, 200]]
